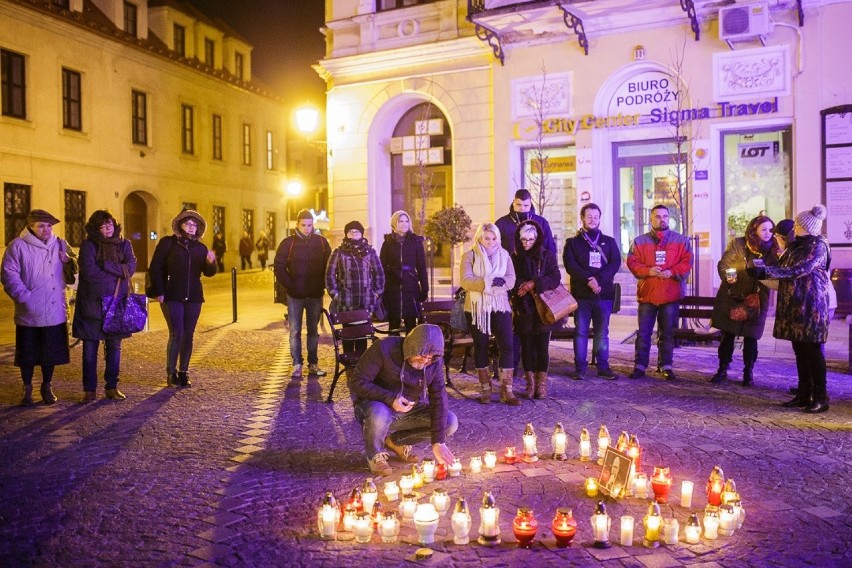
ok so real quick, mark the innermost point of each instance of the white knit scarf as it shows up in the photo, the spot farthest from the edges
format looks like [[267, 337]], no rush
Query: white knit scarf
[[490, 299]]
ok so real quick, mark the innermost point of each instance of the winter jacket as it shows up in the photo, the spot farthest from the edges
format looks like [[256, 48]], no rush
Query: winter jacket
[[471, 282], [406, 279], [262, 246], [246, 247], [32, 276], [300, 265], [354, 282], [668, 251], [98, 279], [382, 374], [508, 223], [802, 311], [539, 265], [737, 256], [176, 268], [576, 256]]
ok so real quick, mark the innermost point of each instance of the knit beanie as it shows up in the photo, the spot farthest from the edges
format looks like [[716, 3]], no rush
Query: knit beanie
[[811, 220], [353, 225], [395, 218], [424, 339]]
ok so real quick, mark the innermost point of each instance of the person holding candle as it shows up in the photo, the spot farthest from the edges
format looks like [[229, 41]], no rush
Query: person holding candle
[[536, 271], [399, 394], [738, 286], [487, 273]]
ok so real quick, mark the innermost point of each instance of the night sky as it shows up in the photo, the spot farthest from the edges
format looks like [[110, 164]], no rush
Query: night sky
[[286, 39]]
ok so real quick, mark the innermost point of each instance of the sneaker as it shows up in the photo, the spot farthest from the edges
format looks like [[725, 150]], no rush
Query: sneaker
[[379, 464], [297, 370], [115, 394], [636, 374], [313, 369], [607, 374], [579, 375], [669, 375], [404, 453]]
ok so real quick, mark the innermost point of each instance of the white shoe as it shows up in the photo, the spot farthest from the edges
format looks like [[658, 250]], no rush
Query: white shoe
[[297, 370], [314, 369]]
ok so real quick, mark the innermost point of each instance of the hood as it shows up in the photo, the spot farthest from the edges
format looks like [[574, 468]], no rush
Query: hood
[[425, 339], [189, 214], [539, 242]]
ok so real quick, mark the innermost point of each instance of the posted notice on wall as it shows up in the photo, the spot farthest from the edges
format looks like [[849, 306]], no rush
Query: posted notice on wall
[[839, 204]]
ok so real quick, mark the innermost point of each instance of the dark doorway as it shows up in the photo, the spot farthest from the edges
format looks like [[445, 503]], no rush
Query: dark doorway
[[136, 229]]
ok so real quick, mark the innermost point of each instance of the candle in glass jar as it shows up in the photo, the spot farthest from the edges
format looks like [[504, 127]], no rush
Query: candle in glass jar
[[389, 527], [686, 494], [627, 530], [406, 484], [727, 520], [711, 525], [455, 468], [600, 526], [510, 455], [328, 519], [640, 485], [591, 487], [585, 445], [671, 530], [428, 470], [440, 472], [604, 441], [440, 500], [490, 459], [461, 522], [369, 495], [475, 464], [692, 531], [426, 522], [391, 490], [408, 506], [363, 527], [349, 518]]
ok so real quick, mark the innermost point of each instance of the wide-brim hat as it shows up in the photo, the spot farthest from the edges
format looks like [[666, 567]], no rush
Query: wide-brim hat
[[41, 216]]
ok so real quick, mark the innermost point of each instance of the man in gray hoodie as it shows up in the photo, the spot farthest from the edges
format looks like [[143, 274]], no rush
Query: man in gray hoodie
[[398, 389]]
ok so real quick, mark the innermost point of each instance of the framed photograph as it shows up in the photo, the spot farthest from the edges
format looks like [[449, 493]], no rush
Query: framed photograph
[[615, 473]]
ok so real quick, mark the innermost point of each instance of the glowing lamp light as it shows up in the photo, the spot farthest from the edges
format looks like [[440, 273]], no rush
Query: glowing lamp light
[[406, 484], [530, 447], [356, 500], [634, 450], [559, 442], [623, 441], [440, 500], [391, 490], [490, 459], [417, 475], [715, 485], [652, 522], [426, 522], [686, 494], [307, 120], [369, 495], [671, 531], [727, 520], [627, 523], [363, 527], [564, 527], [585, 446], [604, 440], [489, 517], [600, 526], [640, 485], [378, 513], [461, 522], [737, 504], [692, 532], [510, 456], [428, 470], [441, 472], [524, 525], [349, 514], [475, 464], [328, 517], [711, 524], [455, 468], [591, 487], [407, 506], [729, 493], [661, 483], [389, 527]]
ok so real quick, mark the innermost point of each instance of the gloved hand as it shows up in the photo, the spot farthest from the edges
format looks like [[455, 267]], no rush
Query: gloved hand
[[758, 272], [498, 282]]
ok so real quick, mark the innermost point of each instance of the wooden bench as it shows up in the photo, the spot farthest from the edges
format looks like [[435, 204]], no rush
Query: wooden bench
[[690, 329]]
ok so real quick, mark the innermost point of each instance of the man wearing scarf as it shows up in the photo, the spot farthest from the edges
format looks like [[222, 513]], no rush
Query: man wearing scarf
[[661, 260]]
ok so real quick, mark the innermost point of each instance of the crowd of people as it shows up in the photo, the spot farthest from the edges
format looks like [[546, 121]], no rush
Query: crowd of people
[[398, 385]]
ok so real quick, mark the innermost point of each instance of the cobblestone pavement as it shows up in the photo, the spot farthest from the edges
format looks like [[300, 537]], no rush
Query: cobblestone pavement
[[231, 471]]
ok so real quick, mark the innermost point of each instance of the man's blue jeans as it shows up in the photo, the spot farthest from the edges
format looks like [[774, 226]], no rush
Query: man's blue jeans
[[666, 317], [378, 420], [597, 312], [313, 310]]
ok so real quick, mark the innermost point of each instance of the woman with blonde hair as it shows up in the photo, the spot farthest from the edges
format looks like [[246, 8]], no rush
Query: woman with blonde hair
[[406, 280], [487, 274]]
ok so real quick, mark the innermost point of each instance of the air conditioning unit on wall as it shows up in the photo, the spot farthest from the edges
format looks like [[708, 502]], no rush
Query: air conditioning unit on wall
[[744, 21]]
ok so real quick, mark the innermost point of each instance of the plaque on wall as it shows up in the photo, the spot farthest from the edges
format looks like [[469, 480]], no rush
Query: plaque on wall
[[837, 173]]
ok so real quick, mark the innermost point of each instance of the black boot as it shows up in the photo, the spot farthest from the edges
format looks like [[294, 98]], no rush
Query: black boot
[[748, 378], [721, 374], [47, 394], [798, 402], [183, 377], [172, 380], [749, 359]]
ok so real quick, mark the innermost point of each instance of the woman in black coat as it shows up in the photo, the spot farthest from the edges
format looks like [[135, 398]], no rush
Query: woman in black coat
[[176, 268], [106, 259], [406, 281], [536, 270], [758, 243]]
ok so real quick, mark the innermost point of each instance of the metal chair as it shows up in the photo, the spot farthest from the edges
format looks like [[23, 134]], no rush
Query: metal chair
[[356, 327]]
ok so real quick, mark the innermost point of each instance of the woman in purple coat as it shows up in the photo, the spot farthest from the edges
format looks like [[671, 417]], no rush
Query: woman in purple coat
[[106, 258]]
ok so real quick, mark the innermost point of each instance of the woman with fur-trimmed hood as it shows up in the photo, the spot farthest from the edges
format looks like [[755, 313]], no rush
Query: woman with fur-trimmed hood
[[176, 268]]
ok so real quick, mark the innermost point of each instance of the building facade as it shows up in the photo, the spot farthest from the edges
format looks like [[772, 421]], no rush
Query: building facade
[[718, 110], [139, 106]]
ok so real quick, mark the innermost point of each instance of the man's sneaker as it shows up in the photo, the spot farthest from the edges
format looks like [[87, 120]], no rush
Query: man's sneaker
[[579, 375], [636, 374], [607, 374], [669, 375], [313, 369], [402, 452], [379, 464], [297, 370]]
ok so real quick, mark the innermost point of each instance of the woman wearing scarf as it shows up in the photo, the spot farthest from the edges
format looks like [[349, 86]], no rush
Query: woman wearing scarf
[[487, 273], [758, 243], [404, 263], [176, 268], [354, 277], [106, 258]]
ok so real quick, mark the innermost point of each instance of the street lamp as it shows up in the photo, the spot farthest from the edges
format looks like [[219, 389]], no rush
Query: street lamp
[[308, 123], [291, 190]]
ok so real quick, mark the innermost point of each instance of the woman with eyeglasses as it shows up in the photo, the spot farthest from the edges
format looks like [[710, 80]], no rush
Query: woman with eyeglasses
[[176, 268], [106, 259]]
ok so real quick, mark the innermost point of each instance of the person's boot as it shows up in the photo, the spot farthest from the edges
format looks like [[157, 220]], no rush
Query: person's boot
[[506, 393], [748, 376], [89, 396], [47, 394], [721, 373], [172, 380], [541, 384], [529, 377], [115, 394], [183, 377], [27, 396], [484, 385]]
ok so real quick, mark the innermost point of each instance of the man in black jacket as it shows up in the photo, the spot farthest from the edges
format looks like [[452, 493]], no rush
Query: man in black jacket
[[592, 260], [300, 266]]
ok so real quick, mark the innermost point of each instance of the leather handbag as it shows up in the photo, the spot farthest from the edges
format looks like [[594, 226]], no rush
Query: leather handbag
[[123, 315], [745, 308], [458, 321], [380, 311], [553, 305]]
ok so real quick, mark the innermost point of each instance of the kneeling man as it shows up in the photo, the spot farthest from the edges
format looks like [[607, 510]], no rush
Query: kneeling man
[[399, 393]]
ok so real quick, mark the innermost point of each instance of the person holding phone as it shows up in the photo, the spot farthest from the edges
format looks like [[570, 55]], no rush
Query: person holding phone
[[399, 393]]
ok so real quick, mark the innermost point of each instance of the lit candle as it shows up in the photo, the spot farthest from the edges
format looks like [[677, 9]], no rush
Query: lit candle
[[623, 441], [604, 441], [391, 490], [524, 526], [671, 530], [369, 495], [455, 468], [737, 504], [564, 527], [591, 487], [634, 450], [715, 485], [652, 522], [530, 447], [417, 475], [640, 485], [490, 459], [328, 517], [626, 530], [441, 472], [661, 483], [389, 527], [693, 529], [711, 525], [559, 441], [406, 484], [378, 513], [356, 500], [461, 522], [407, 506], [349, 514], [585, 446], [440, 500], [510, 455], [363, 527], [600, 526], [686, 494], [426, 522], [428, 470], [489, 516], [475, 464], [729, 493], [727, 520]]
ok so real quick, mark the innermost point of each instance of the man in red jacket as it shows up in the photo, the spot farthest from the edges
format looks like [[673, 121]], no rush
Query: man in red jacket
[[661, 260]]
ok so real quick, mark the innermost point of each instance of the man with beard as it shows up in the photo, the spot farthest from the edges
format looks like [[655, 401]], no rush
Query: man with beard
[[661, 260]]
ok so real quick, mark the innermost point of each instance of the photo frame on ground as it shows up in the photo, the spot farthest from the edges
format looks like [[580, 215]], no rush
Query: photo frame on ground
[[615, 473]]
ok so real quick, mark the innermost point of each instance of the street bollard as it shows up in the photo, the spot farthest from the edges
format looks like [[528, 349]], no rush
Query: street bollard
[[234, 293]]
